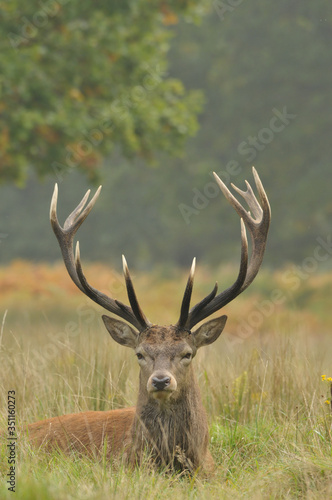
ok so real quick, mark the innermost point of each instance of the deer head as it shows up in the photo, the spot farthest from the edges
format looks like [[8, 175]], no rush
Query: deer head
[[165, 353]]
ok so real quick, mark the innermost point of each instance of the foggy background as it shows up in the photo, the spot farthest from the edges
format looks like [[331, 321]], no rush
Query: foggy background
[[256, 77]]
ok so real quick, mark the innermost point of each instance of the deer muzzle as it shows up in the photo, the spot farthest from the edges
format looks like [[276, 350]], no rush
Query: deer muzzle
[[161, 385]]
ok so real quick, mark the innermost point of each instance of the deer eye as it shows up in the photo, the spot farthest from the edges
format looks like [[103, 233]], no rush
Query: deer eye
[[187, 356], [139, 356]]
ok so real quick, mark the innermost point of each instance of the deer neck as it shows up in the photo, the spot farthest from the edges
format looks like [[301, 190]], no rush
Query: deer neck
[[175, 432]]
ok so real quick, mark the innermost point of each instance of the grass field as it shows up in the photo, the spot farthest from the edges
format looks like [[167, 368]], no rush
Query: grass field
[[261, 382]]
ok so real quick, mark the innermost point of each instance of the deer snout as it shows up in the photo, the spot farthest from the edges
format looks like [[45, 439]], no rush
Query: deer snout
[[161, 383]]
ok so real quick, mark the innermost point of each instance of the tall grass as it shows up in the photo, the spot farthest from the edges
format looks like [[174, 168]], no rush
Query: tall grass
[[270, 426]]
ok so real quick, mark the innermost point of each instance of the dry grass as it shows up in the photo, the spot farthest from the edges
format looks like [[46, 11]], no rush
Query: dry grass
[[271, 430]]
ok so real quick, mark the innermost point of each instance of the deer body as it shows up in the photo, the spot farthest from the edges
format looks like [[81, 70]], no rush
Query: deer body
[[84, 432], [171, 435], [169, 423]]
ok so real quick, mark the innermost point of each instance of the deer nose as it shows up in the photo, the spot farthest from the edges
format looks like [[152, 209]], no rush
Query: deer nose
[[161, 383]]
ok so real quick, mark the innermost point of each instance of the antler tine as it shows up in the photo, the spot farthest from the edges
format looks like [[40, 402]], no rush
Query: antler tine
[[212, 302], [187, 297], [65, 236], [258, 226], [100, 298], [262, 194], [258, 230], [76, 218], [232, 200], [144, 322], [251, 200]]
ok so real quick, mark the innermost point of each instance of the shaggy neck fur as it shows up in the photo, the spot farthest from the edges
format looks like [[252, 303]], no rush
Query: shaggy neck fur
[[174, 433]]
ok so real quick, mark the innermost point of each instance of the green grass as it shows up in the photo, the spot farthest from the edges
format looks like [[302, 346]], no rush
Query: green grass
[[270, 428]]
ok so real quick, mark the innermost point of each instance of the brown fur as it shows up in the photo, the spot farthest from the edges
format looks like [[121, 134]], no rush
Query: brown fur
[[169, 425], [84, 432]]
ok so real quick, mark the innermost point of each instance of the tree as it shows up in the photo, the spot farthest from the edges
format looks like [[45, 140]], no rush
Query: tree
[[80, 78]]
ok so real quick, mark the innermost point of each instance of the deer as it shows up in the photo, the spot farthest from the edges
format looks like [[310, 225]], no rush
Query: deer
[[169, 422]]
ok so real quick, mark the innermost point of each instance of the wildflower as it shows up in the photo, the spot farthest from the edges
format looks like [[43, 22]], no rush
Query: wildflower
[[323, 377], [327, 402], [329, 379]]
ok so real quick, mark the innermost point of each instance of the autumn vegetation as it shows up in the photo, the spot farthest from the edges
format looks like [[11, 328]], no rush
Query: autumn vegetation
[[268, 407]]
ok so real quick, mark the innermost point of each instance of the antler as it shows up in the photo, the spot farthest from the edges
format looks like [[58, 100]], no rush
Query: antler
[[65, 236], [258, 225]]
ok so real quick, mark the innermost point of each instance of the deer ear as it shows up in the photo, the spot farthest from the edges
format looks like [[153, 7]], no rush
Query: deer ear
[[209, 331], [121, 332]]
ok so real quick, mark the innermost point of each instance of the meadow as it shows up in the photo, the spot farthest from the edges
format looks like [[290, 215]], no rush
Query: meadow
[[268, 405]]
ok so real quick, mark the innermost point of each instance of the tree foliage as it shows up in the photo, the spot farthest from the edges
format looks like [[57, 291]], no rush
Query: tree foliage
[[79, 78]]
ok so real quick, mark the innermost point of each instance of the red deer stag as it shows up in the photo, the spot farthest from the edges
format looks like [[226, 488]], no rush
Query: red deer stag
[[169, 422]]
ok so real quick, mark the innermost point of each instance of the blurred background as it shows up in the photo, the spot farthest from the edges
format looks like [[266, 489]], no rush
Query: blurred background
[[149, 99]]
